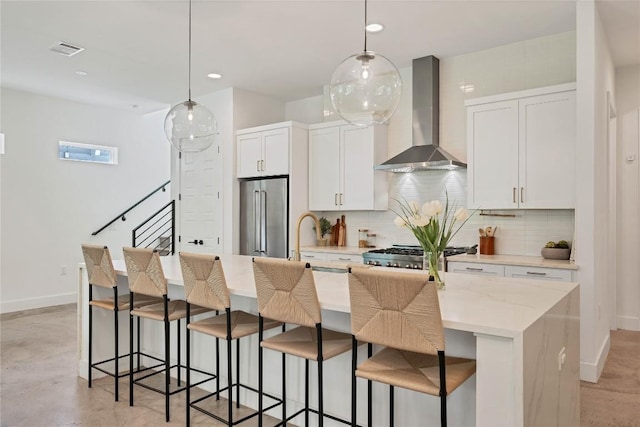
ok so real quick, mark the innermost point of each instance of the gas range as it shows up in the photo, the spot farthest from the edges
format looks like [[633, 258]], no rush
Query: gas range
[[403, 256]]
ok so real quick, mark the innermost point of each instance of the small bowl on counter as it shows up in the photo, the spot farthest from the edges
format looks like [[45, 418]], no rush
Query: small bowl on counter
[[555, 253]]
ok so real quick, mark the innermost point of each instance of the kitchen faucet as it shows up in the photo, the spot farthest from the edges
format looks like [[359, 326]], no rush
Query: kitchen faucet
[[296, 252]]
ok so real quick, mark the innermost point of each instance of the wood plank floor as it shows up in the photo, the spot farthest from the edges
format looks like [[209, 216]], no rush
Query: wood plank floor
[[39, 384]]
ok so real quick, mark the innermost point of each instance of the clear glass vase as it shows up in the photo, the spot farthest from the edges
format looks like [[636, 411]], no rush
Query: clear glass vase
[[434, 263]]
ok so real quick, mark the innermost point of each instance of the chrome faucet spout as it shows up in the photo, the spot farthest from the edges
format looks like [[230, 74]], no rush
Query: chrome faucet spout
[[296, 253]]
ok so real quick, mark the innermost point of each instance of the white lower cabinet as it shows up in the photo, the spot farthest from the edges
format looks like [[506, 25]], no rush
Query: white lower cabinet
[[475, 268], [520, 272], [537, 273]]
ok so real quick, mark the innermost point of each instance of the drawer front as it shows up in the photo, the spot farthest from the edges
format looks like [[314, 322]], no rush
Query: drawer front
[[357, 259], [538, 273], [475, 268], [313, 256]]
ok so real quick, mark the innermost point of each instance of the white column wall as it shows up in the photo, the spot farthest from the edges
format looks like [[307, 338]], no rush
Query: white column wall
[[595, 76], [628, 286], [50, 206]]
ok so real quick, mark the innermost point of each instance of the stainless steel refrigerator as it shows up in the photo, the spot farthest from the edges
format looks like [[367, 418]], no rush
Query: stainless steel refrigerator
[[264, 207]]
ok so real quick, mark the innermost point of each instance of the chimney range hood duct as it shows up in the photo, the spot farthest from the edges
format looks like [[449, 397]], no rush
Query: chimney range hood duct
[[425, 154]]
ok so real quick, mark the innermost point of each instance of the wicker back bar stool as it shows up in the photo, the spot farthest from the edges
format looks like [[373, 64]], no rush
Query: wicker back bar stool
[[286, 293], [205, 286], [401, 312], [100, 272], [146, 276]]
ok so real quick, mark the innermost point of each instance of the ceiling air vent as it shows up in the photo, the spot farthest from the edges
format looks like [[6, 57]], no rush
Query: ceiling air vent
[[66, 49]]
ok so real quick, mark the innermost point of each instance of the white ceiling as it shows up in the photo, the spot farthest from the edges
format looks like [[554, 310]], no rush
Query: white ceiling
[[136, 51]]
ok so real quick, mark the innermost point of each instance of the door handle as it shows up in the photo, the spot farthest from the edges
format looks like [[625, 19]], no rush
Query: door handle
[[197, 242], [263, 225], [521, 194], [514, 194], [256, 220], [262, 165], [257, 165], [341, 203], [335, 199]]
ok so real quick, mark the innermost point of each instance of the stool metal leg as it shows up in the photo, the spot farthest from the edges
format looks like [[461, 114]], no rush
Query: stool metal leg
[[130, 349], [238, 373], [391, 406], [284, 390], [138, 343], [320, 387], [229, 369], [90, 333], [115, 330], [369, 391], [260, 327], [167, 361], [354, 366], [306, 392], [443, 389], [188, 363], [217, 369]]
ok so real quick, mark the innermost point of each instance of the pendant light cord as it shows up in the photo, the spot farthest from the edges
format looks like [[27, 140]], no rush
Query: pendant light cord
[[365, 25], [189, 51]]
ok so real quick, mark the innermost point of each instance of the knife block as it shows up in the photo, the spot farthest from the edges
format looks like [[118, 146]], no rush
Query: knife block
[[486, 245]]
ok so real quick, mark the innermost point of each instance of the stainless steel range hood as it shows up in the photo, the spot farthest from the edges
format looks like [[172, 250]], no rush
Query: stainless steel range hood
[[425, 154]]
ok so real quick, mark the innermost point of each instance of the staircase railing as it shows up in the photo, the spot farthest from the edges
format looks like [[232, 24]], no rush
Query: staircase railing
[[122, 215], [157, 231]]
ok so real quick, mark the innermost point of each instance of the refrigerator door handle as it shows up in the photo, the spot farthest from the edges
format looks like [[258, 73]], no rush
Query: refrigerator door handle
[[257, 220], [263, 225]]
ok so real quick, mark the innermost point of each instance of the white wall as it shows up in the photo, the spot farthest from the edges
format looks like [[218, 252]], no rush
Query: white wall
[[50, 206], [628, 288], [595, 77]]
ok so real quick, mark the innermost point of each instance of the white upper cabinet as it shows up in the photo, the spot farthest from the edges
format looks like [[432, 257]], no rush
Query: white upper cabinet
[[521, 149], [341, 161], [263, 153]]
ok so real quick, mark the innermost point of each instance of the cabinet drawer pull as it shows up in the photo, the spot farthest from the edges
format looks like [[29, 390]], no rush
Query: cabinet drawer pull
[[344, 259], [475, 269], [308, 256], [521, 194], [514, 194], [535, 273]]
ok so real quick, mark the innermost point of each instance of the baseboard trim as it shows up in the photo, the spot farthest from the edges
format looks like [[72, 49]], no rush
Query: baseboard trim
[[628, 323], [591, 371], [31, 303]]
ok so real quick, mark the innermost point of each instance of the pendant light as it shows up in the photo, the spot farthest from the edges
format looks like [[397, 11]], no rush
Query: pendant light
[[366, 87], [189, 126]]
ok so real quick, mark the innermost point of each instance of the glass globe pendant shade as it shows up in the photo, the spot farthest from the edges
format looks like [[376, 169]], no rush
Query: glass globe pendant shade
[[190, 127], [365, 89]]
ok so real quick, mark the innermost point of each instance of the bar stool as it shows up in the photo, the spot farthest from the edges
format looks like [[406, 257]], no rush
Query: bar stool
[[401, 311], [100, 272], [205, 285], [287, 293], [146, 277]]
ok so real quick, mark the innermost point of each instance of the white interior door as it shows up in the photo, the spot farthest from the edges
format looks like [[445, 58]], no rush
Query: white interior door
[[200, 206]]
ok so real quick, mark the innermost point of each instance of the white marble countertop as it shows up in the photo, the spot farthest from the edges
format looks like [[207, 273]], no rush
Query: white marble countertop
[[347, 250], [518, 260], [496, 306]]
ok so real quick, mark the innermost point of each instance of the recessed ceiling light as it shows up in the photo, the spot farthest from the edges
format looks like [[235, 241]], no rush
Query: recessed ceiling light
[[214, 76], [81, 73], [374, 28]]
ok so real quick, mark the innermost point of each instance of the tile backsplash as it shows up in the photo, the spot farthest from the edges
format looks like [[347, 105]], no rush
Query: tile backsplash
[[525, 234]]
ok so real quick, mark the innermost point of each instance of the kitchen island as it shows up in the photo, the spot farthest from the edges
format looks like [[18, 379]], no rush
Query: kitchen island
[[523, 333]]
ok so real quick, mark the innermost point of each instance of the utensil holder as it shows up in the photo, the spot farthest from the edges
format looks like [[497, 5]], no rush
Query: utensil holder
[[486, 245]]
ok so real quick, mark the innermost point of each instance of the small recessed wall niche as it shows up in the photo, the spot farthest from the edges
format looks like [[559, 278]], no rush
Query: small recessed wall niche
[[87, 153]]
